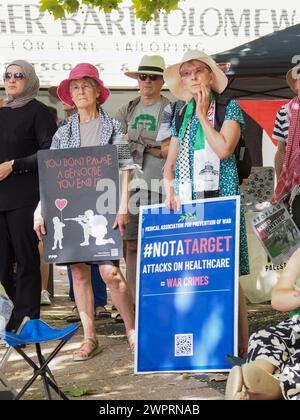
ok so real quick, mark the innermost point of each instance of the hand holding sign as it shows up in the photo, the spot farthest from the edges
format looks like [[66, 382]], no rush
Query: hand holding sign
[[39, 224], [68, 181]]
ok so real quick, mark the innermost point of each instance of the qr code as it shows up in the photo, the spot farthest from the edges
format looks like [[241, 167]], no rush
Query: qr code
[[183, 345]]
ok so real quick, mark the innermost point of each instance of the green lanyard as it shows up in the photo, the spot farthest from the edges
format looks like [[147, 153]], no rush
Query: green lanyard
[[200, 136]]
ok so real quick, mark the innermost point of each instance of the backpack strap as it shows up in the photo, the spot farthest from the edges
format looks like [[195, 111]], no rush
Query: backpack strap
[[179, 117], [221, 106]]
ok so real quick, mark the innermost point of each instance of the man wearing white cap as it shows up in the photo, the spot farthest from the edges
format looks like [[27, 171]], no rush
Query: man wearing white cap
[[141, 119], [287, 158]]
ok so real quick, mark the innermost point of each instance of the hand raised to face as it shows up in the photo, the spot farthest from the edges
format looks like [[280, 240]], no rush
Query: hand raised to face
[[202, 101]]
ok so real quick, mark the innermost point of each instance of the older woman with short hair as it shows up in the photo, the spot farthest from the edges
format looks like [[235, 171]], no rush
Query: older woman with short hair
[[26, 126], [91, 126], [198, 144]]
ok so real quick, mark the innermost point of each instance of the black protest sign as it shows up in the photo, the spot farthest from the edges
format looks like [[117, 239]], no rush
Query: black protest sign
[[80, 198]]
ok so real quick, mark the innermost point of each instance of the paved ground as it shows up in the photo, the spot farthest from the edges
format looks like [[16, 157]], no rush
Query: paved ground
[[110, 374]]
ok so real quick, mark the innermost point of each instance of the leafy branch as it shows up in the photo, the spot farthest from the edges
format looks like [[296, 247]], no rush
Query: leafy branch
[[145, 10]]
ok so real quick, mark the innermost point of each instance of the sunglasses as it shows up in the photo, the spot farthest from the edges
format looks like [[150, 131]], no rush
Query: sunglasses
[[152, 77], [16, 76]]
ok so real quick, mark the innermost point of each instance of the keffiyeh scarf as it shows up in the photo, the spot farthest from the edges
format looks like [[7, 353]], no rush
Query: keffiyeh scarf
[[289, 180], [199, 166]]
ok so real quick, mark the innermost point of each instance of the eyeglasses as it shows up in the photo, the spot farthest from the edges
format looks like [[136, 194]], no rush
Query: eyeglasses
[[152, 77], [186, 74], [17, 76], [77, 88]]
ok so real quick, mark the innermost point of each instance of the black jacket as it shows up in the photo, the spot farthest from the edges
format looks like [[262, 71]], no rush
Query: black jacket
[[23, 131]]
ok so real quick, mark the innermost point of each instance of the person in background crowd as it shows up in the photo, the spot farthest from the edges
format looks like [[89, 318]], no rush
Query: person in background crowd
[[91, 126], [53, 111], [69, 110], [287, 158], [44, 267], [198, 80], [165, 131], [141, 119], [26, 126], [272, 370]]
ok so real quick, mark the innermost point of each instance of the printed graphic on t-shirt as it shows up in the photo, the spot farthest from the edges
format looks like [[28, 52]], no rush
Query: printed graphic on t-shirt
[[146, 121]]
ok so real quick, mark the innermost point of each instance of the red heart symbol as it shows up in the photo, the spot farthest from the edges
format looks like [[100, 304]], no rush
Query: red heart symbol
[[61, 204]]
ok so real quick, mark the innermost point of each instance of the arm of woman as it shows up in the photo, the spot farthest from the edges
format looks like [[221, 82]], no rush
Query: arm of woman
[[224, 142], [165, 147], [279, 158], [172, 202], [285, 295], [126, 165]]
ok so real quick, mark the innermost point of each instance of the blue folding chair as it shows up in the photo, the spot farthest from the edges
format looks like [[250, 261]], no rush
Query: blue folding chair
[[7, 392], [36, 332]]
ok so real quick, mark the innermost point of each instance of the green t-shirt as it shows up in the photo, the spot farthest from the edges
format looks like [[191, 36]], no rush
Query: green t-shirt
[[296, 311]]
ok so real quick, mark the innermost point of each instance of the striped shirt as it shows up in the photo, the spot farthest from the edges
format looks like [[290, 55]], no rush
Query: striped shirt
[[165, 130], [281, 128]]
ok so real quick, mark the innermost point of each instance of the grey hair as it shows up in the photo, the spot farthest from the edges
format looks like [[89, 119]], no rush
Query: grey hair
[[93, 83]]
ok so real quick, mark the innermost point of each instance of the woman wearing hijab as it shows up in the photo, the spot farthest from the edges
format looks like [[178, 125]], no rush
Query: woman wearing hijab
[[91, 126], [199, 81], [26, 126]]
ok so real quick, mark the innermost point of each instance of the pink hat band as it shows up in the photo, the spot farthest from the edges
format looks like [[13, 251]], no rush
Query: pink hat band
[[79, 72]]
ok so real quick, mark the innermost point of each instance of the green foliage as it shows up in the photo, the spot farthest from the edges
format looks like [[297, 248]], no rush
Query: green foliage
[[80, 392], [145, 10]]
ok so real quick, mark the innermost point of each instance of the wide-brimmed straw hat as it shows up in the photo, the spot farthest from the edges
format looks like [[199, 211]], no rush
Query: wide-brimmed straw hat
[[173, 79], [79, 72], [292, 76], [150, 64]]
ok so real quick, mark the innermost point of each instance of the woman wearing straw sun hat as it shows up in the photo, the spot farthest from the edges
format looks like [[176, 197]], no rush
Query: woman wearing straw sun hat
[[287, 158], [91, 126], [198, 80]]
